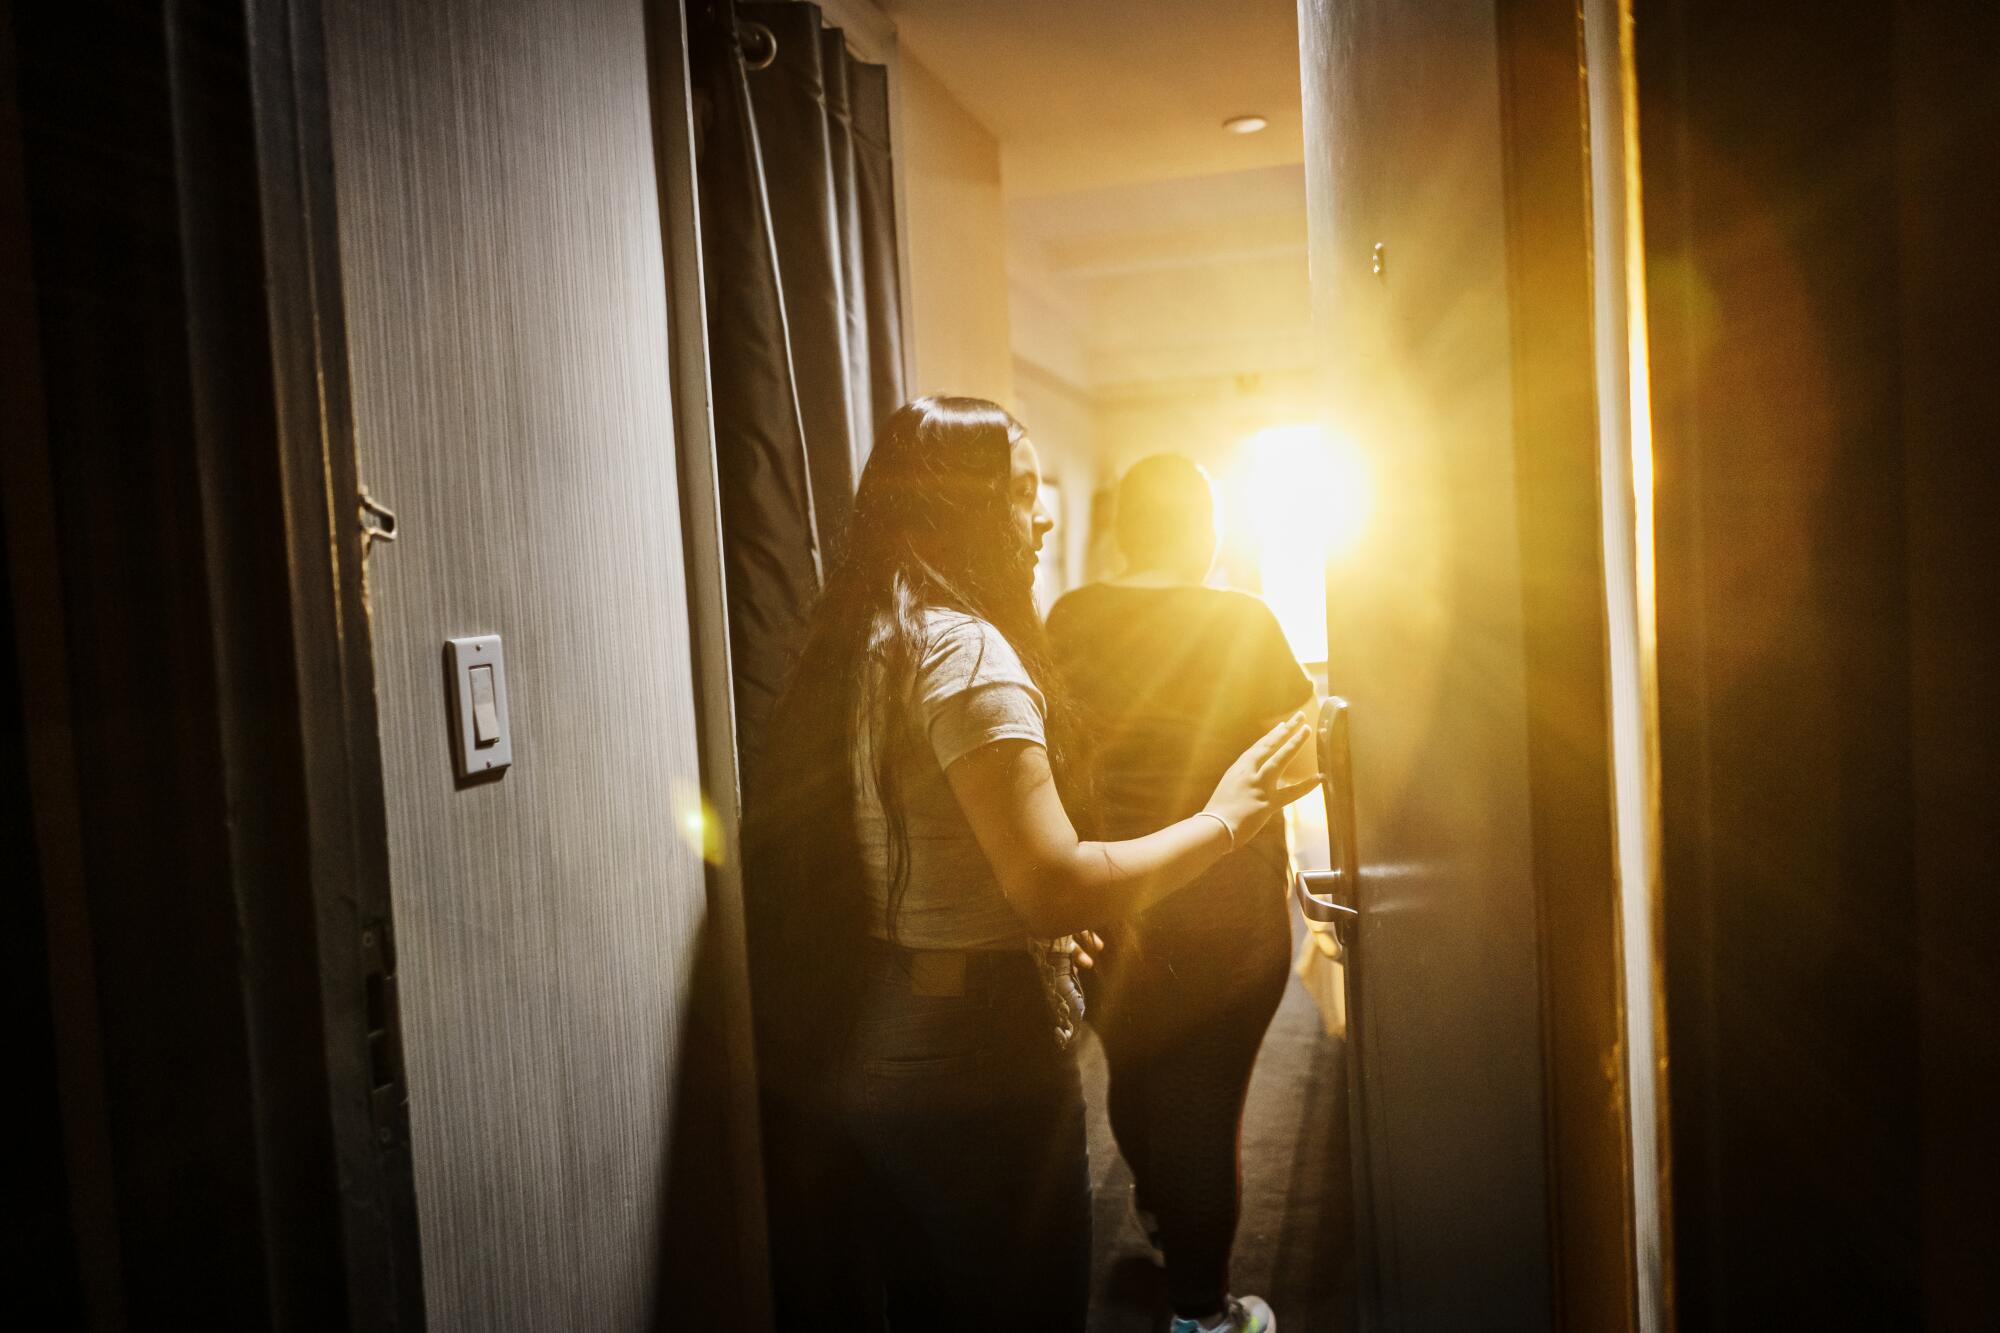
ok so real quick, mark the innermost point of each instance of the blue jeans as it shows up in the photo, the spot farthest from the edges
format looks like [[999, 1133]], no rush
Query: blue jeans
[[968, 1123]]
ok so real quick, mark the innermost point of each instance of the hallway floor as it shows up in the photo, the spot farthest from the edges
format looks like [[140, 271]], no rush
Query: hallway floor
[[1294, 1245]]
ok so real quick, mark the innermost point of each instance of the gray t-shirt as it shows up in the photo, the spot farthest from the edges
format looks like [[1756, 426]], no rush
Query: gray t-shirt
[[970, 690]]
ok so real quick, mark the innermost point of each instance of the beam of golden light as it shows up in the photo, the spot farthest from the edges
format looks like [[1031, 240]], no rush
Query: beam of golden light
[[1301, 496]]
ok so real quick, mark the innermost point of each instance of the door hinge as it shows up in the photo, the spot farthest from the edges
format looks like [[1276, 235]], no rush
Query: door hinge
[[378, 521], [388, 1087]]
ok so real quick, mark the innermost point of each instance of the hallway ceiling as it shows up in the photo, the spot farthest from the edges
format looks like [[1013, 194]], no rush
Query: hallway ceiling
[[1164, 281], [1087, 93], [1150, 250]]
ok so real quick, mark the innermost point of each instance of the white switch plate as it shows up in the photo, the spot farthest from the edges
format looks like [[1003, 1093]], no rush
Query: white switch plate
[[461, 655]]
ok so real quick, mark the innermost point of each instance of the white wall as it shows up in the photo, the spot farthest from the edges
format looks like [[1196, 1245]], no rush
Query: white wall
[[966, 325], [1061, 421], [955, 231]]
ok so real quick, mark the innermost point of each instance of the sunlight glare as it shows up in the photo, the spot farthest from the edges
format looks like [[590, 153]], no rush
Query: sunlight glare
[[1305, 500]]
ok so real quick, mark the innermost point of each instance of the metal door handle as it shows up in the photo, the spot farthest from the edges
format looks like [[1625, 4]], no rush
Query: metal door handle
[[1333, 896], [1319, 897]]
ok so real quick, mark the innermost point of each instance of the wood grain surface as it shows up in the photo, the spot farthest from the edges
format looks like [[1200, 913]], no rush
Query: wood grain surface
[[500, 238]]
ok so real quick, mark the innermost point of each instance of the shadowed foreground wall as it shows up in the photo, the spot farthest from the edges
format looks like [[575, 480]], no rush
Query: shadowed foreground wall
[[500, 236], [1823, 424]]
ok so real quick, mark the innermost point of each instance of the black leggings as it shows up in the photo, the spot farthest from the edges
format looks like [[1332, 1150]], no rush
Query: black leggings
[[1181, 1007]]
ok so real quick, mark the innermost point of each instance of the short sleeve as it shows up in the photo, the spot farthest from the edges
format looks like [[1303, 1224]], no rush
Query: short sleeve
[[1281, 681], [973, 690]]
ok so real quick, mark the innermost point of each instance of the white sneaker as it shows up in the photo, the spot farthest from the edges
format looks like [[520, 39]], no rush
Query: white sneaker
[[1247, 1314]]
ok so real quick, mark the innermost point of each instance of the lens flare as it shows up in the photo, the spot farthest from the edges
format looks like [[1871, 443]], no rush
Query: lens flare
[[1305, 498], [700, 824]]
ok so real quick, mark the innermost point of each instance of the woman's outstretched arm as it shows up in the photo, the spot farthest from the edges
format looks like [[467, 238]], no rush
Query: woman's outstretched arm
[[1061, 884]]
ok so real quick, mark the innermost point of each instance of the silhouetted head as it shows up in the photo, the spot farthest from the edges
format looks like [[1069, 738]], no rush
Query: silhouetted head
[[1166, 518]]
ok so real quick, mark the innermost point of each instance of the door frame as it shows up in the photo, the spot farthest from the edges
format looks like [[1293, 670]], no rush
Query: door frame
[[1593, 819], [269, 967], [708, 632], [1545, 123], [1580, 429], [330, 530]]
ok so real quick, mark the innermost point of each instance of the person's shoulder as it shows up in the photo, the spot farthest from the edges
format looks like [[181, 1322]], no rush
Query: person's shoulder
[[1248, 605], [946, 625], [1232, 605], [1249, 620], [958, 643], [1074, 605]]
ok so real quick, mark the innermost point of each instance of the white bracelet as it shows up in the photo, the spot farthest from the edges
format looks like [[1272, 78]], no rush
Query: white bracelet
[[1228, 832]]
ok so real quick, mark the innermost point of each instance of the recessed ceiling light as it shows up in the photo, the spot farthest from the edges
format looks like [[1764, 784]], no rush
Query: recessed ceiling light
[[1244, 124]]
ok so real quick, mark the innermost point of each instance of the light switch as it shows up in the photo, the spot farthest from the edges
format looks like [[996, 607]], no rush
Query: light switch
[[485, 716], [482, 743]]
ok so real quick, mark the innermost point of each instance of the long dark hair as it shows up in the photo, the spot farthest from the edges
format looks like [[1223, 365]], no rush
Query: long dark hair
[[932, 527]]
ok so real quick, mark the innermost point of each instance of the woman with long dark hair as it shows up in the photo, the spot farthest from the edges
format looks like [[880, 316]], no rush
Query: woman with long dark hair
[[912, 871]]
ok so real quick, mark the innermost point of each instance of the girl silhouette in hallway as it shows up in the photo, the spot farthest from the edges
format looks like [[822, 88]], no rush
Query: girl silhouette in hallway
[[912, 870], [1173, 678]]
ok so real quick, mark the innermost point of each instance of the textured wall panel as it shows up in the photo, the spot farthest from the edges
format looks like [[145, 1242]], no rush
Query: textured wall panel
[[501, 243]]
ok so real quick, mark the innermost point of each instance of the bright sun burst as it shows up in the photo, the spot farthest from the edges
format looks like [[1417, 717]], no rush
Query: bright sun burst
[[1302, 497]]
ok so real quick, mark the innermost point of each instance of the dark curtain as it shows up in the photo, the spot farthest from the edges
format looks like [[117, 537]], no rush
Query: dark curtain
[[804, 313]]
